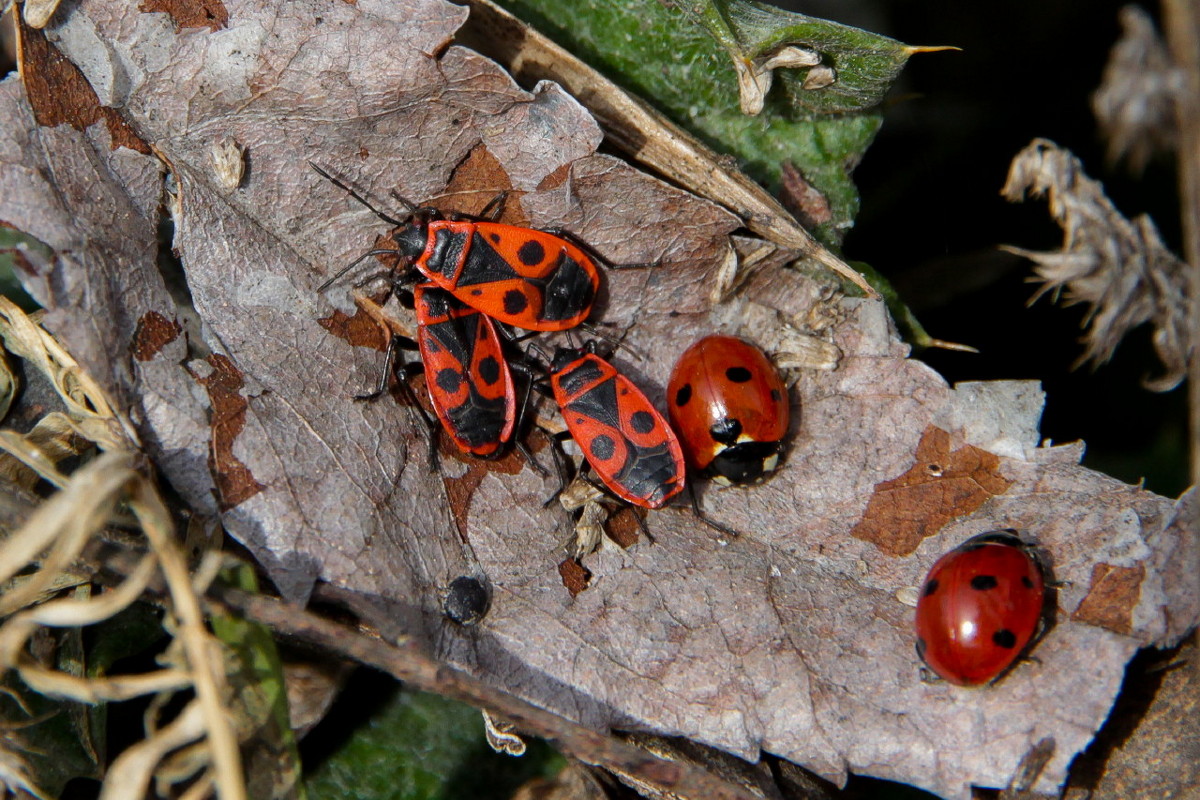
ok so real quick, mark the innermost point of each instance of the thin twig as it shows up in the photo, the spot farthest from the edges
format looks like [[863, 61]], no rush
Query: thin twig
[[1182, 23], [406, 662]]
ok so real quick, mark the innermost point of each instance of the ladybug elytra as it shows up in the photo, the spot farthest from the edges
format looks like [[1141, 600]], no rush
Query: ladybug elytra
[[980, 608]]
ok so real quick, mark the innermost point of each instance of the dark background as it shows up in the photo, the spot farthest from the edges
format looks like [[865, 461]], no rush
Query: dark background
[[932, 215]]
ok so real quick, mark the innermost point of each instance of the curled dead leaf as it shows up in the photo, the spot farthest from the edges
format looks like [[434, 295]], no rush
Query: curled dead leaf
[[1135, 102], [1119, 267]]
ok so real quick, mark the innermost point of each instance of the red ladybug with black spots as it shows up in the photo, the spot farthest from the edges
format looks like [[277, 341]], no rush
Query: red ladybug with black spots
[[532, 279], [730, 407], [623, 436], [980, 608]]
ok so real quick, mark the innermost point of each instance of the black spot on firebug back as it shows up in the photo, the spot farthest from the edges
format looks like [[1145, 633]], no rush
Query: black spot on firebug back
[[515, 301], [642, 421], [489, 370], [603, 447], [449, 380], [531, 253]]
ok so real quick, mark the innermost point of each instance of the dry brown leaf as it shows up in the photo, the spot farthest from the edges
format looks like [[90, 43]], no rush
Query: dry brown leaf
[[1135, 102], [1120, 268], [788, 639]]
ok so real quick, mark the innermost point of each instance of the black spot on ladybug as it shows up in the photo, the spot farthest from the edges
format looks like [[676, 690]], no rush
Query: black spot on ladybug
[[726, 430], [495, 237], [642, 421], [1028, 584], [603, 447], [930, 587], [489, 370], [982, 583], [449, 380], [683, 395], [738, 374], [776, 395], [1005, 638], [531, 253], [515, 301]]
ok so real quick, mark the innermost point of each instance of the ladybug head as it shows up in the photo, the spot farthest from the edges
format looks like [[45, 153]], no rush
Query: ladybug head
[[745, 462]]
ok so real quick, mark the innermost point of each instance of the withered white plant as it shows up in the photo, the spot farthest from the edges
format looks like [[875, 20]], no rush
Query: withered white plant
[[1135, 102], [1119, 267]]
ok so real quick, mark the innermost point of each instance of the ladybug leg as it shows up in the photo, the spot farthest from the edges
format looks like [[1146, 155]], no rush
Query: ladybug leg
[[591, 251], [700, 515]]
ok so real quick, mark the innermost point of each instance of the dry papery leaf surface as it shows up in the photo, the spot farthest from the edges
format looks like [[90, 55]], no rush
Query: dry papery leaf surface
[[790, 638]]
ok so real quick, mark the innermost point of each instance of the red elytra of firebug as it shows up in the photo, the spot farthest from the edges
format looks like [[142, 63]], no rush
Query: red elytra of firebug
[[623, 436], [730, 407], [980, 607], [532, 279], [469, 381]]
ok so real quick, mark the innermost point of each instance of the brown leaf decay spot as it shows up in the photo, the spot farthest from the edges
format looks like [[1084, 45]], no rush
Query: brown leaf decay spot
[[210, 14], [234, 482], [476, 181], [154, 332], [939, 487], [460, 489], [1112, 595], [59, 93], [555, 179], [800, 197], [623, 527], [360, 330], [575, 576]]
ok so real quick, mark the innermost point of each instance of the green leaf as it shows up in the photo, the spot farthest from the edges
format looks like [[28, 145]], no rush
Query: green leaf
[[418, 746], [662, 55], [272, 763], [12, 245], [860, 66]]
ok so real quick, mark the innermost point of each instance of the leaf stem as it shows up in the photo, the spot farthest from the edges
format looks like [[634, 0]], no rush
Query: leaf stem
[[1182, 23]]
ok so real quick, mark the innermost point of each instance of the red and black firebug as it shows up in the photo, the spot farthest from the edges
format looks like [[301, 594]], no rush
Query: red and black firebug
[[626, 440], [533, 279], [469, 381]]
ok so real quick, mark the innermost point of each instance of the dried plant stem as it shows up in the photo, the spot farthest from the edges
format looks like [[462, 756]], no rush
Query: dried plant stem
[[1182, 23], [406, 662]]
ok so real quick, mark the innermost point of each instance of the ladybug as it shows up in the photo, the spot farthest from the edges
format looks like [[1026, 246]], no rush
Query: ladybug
[[730, 407], [625, 439], [528, 278], [469, 382], [980, 608]]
